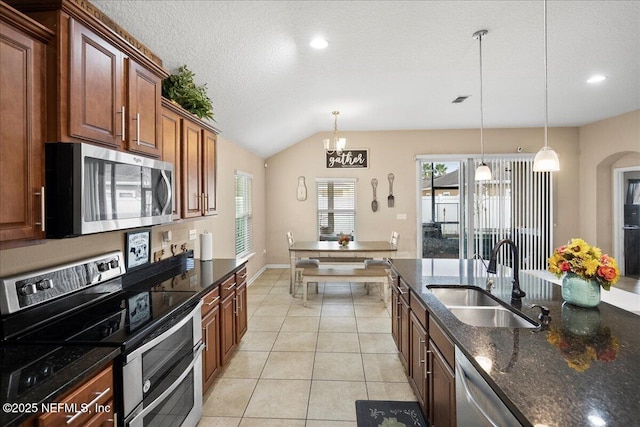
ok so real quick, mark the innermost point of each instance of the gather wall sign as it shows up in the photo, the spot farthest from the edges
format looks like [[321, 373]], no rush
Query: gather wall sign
[[348, 159]]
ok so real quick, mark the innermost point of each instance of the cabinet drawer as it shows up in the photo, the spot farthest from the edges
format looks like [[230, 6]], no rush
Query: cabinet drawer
[[97, 393], [420, 311], [228, 286], [241, 276], [443, 343], [210, 301]]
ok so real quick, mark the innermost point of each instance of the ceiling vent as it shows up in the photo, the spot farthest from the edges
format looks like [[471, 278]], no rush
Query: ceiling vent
[[459, 99]]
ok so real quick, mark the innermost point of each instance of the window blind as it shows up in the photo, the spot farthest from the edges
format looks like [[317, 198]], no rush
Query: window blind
[[244, 226], [336, 208], [515, 204]]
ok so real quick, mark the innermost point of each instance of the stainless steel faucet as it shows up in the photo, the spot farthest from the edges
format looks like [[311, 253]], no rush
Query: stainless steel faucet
[[516, 293]]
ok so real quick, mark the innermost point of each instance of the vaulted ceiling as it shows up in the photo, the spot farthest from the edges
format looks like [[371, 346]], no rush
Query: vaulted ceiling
[[392, 65]]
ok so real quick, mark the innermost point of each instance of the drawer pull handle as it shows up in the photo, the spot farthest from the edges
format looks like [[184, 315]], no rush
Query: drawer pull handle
[[213, 301], [99, 396], [230, 287], [123, 118], [137, 119], [42, 213]]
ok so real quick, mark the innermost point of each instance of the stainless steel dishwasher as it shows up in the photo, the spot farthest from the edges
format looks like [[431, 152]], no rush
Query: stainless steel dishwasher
[[476, 402]]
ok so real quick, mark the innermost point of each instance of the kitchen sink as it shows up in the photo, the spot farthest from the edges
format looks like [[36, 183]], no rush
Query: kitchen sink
[[477, 307], [492, 317], [450, 295]]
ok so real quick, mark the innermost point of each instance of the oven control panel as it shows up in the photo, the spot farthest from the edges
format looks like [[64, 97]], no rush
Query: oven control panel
[[28, 289]]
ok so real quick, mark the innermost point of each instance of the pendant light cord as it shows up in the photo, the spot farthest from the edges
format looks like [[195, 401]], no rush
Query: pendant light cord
[[479, 35], [546, 96]]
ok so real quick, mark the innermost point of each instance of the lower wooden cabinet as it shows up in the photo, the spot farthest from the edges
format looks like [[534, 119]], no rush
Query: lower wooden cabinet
[[419, 362], [241, 303], [400, 328], [90, 403], [224, 323], [210, 337], [442, 396], [430, 355], [227, 327]]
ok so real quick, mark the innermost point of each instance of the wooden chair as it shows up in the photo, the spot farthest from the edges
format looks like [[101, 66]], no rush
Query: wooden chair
[[301, 264], [383, 263]]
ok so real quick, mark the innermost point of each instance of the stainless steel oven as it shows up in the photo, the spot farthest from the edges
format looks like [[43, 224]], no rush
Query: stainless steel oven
[[90, 189], [92, 303], [162, 378]]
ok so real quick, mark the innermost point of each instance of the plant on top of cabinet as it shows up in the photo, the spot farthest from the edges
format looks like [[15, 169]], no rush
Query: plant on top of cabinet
[[181, 88]]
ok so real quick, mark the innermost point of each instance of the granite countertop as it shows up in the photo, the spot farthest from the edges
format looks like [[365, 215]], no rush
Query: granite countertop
[[76, 362], [592, 381]]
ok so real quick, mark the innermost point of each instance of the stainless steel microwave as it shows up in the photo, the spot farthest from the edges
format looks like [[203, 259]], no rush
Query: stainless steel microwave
[[91, 189]]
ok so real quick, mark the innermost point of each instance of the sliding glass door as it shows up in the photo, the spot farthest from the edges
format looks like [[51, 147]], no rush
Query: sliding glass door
[[462, 218]]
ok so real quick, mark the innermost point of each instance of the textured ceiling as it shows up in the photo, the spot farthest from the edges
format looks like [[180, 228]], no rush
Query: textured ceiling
[[392, 65]]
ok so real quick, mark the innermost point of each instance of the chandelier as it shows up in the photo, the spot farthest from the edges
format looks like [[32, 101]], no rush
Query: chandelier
[[335, 145]]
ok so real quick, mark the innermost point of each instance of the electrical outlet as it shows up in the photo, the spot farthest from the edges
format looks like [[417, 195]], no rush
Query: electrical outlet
[[401, 216], [193, 235]]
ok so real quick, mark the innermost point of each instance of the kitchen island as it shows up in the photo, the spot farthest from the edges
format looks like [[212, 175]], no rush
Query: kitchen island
[[580, 370]]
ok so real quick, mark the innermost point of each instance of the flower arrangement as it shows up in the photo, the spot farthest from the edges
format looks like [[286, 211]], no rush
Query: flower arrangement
[[579, 351], [344, 239], [586, 261]]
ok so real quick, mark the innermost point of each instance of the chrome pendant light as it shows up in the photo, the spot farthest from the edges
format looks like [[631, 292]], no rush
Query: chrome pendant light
[[483, 173], [335, 145], [546, 160]]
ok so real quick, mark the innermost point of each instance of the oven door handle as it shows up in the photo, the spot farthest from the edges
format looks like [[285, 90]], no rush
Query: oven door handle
[[140, 415], [187, 318]]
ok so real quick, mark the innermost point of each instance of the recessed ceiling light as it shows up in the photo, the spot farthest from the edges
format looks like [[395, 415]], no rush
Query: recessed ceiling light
[[597, 78], [319, 43]]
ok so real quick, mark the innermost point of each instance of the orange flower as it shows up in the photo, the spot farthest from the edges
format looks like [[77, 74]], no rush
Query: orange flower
[[607, 273]]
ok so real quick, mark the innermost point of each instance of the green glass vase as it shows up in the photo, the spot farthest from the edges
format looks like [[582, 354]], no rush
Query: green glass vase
[[580, 292]]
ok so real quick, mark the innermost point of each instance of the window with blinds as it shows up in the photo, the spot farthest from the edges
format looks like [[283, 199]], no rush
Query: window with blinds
[[336, 208], [515, 204], [244, 227]]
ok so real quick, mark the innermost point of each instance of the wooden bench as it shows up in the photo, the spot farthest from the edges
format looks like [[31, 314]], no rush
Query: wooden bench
[[358, 275]]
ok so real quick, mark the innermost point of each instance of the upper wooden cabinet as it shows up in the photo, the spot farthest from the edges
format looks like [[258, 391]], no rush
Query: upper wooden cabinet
[[196, 161], [22, 126], [144, 95], [103, 89], [171, 146]]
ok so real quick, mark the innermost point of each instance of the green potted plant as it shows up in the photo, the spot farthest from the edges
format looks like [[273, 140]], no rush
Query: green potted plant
[[181, 89]]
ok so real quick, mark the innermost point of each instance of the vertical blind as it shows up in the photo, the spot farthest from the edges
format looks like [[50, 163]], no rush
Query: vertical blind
[[336, 207], [515, 204], [244, 227]]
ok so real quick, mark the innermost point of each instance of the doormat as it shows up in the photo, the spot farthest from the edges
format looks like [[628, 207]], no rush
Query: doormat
[[375, 413]]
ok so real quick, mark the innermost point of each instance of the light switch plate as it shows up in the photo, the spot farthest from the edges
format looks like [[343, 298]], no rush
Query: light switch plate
[[193, 235], [401, 216]]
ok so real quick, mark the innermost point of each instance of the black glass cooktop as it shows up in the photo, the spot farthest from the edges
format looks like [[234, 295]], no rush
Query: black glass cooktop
[[120, 318]]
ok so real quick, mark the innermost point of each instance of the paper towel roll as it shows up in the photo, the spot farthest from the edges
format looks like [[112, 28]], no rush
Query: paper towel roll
[[206, 246]]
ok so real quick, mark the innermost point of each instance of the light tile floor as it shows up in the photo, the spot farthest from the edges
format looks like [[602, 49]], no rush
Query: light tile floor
[[306, 366]]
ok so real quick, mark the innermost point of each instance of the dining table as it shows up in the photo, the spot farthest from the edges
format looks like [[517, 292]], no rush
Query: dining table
[[330, 252]]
